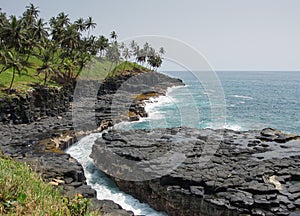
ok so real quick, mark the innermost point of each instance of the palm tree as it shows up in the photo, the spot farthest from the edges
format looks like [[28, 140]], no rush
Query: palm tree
[[40, 32], [82, 61], [102, 44], [13, 34], [133, 44], [155, 61], [30, 16], [113, 54], [32, 11], [57, 29], [90, 24], [63, 19], [162, 51], [126, 53], [69, 42], [113, 36], [150, 53], [48, 66], [16, 63], [3, 59], [146, 47], [80, 24], [3, 19], [141, 56]]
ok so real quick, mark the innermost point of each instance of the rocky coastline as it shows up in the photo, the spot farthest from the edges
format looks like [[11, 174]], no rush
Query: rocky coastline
[[250, 173], [38, 127], [40, 144]]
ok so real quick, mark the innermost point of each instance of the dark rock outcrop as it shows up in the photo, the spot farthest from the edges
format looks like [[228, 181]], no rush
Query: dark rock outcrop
[[31, 143], [215, 172], [37, 127], [40, 102]]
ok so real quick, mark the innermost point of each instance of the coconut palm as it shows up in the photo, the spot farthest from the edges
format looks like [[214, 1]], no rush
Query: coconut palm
[[32, 11], [134, 50], [126, 54], [141, 56], [90, 24], [113, 54], [15, 62], [113, 36], [48, 66], [56, 29], [40, 32], [102, 44], [3, 59], [146, 47], [162, 51], [150, 53], [3, 19], [13, 34], [63, 19], [133, 44], [29, 17], [155, 61], [82, 61], [80, 24]]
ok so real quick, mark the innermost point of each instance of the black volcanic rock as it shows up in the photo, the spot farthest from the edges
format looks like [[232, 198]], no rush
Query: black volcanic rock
[[47, 115], [165, 167]]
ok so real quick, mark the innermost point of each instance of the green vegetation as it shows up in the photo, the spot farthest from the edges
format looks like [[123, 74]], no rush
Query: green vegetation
[[97, 69], [26, 78], [22, 192], [60, 51], [126, 66]]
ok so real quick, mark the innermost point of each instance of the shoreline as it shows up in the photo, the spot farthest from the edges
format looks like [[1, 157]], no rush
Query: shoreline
[[242, 177], [36, 149], [40, 144]]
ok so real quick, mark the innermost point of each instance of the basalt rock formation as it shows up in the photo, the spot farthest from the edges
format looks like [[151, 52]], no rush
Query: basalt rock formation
[[35, 128], [186, 171]]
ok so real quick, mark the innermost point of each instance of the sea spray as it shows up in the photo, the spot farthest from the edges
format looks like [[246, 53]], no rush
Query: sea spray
[[105, 187]]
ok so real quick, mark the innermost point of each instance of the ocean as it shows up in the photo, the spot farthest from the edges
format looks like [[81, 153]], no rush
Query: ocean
[[252, 100]]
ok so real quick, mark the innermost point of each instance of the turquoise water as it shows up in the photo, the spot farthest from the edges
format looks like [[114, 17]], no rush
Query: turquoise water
[[253, 100]]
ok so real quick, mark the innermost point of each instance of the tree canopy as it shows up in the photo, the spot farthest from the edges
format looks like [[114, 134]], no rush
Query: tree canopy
[[62, 47]]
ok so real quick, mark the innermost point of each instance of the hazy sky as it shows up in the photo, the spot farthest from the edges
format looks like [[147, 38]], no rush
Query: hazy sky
[[231, 34]]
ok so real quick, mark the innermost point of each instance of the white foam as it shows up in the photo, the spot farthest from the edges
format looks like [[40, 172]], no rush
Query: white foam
[[153, 104], [102, 184], [243, 96], [227, 126], [233, 127]]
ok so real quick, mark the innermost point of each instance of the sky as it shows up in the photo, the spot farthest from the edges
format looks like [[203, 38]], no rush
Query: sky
[[231, 34]]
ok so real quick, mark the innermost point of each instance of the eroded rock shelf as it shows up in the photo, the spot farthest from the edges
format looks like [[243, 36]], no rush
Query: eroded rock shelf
[[251, 172]]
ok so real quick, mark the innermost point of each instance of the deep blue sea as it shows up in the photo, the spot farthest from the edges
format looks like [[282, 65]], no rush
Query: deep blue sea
[[252, 100]]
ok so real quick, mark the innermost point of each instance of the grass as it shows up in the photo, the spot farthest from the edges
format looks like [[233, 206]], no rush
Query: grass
[[97, 69], [22, 192], [26, 79], [126, 66]]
